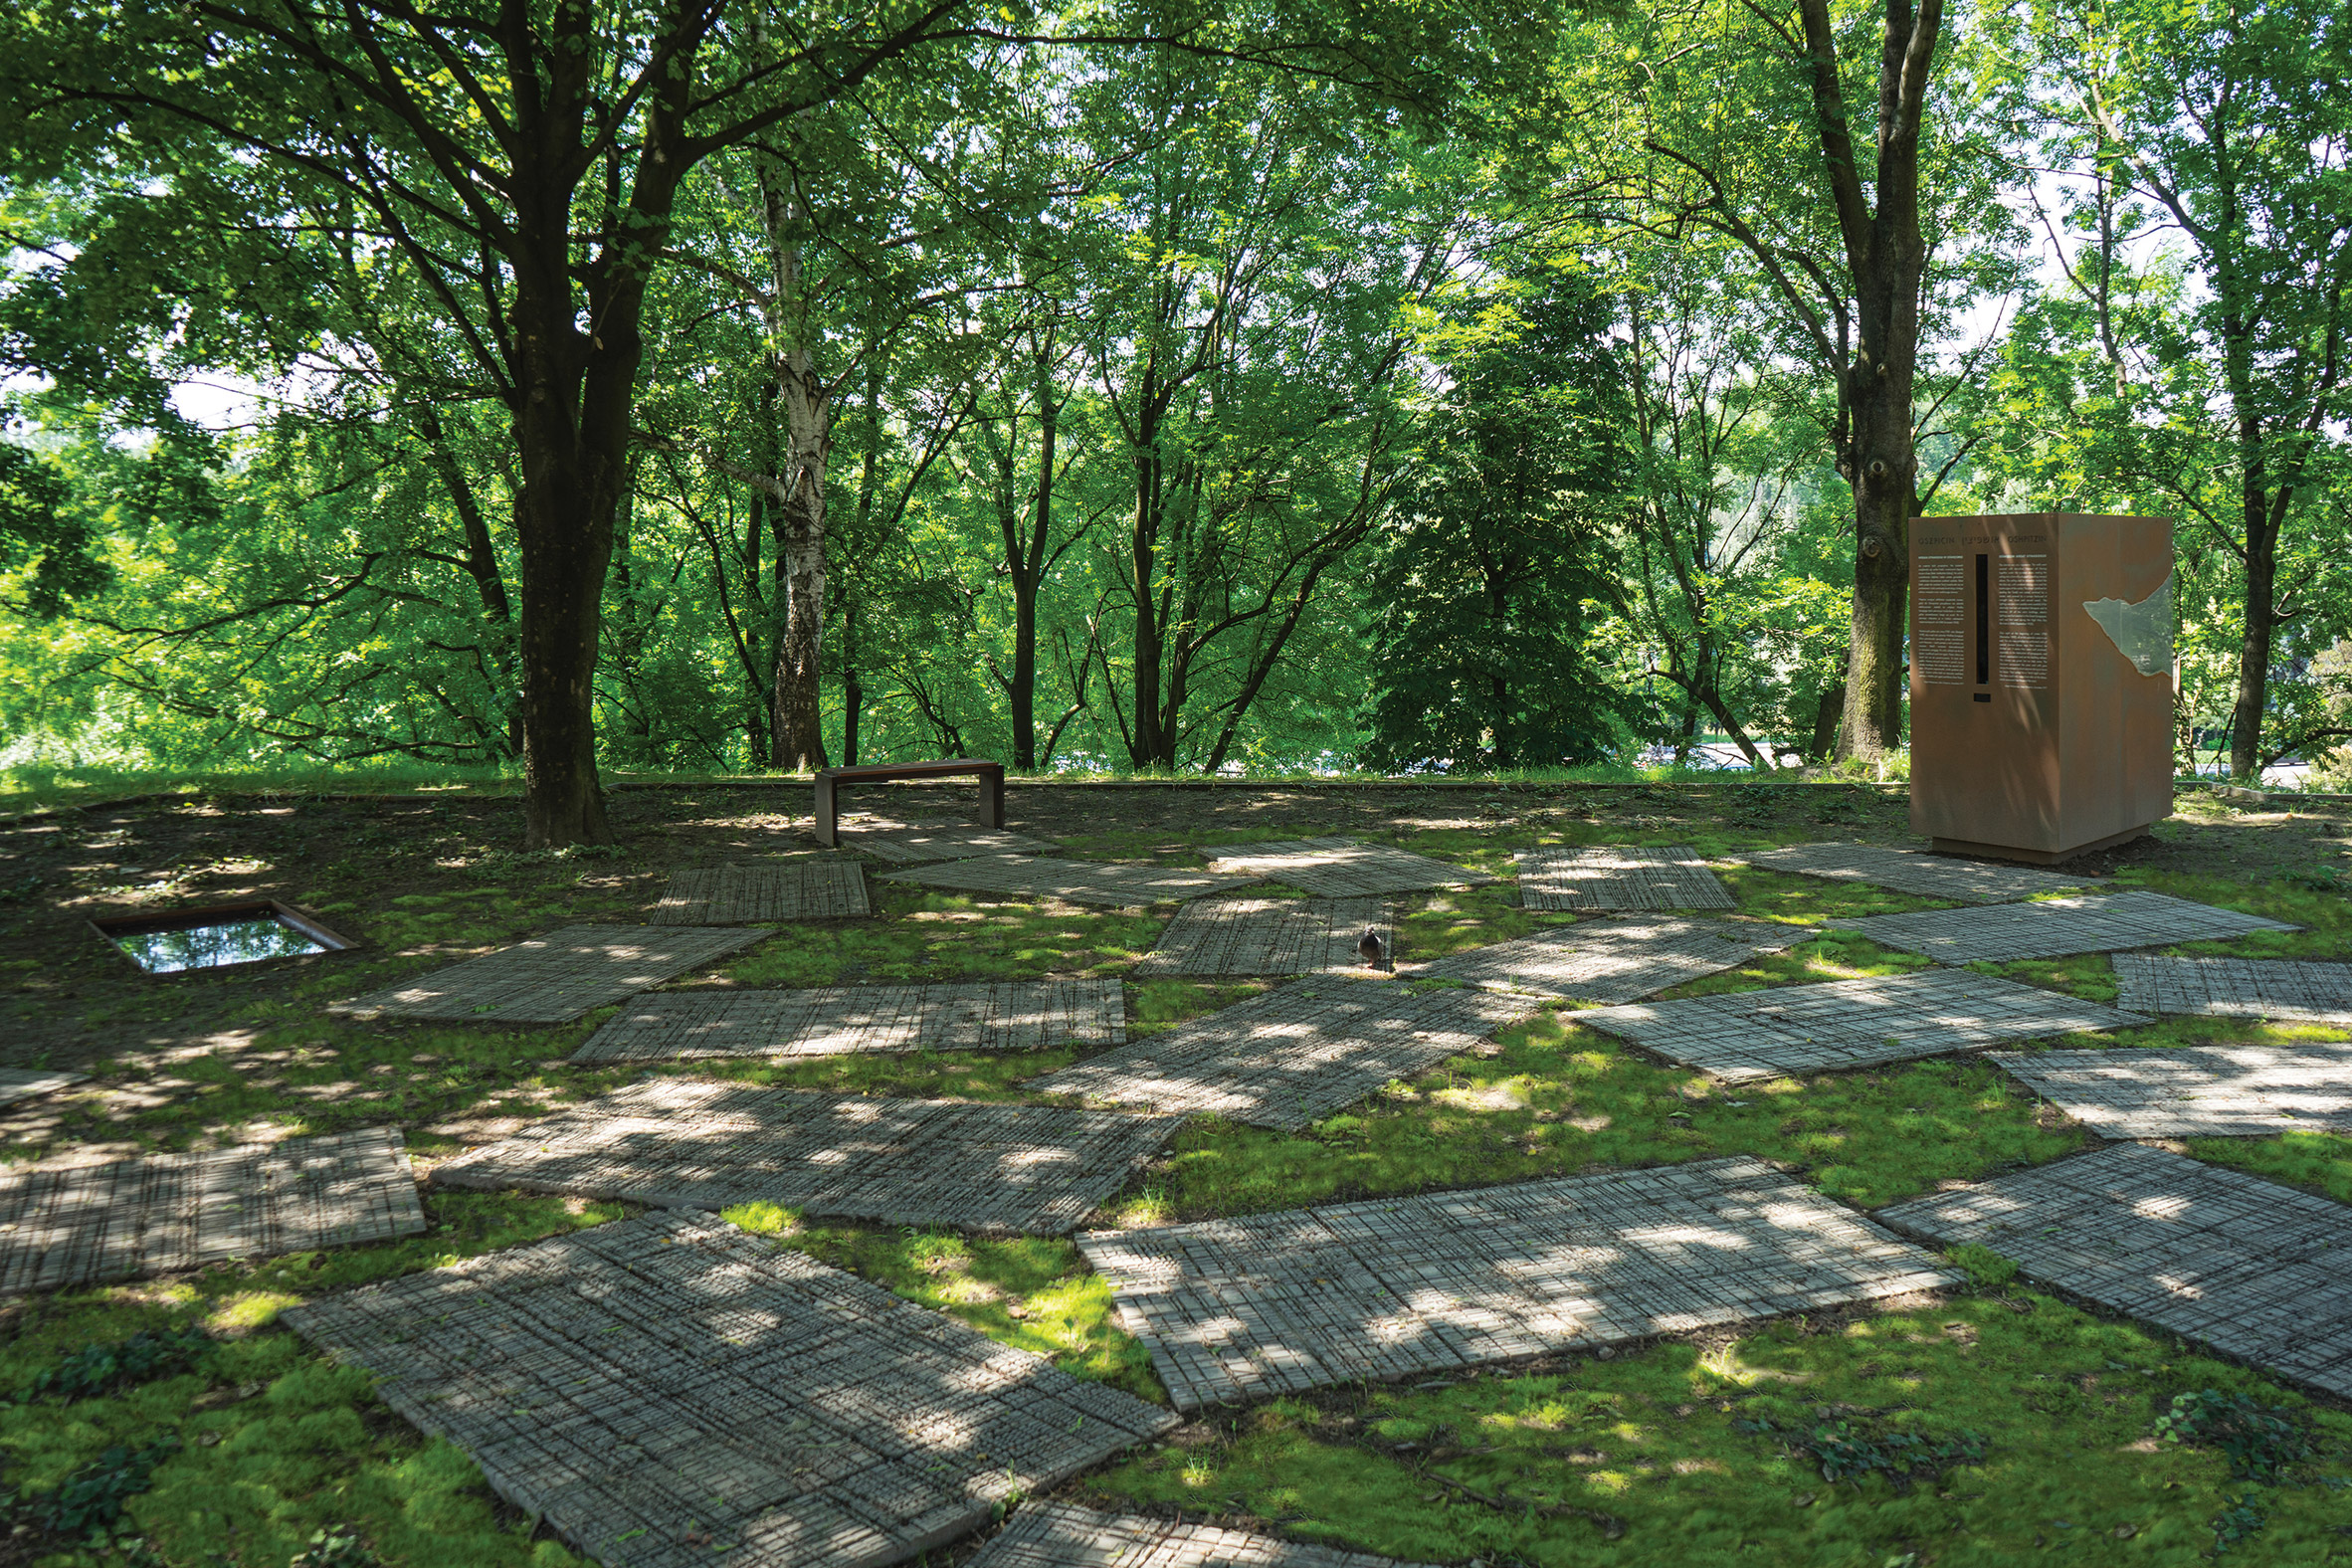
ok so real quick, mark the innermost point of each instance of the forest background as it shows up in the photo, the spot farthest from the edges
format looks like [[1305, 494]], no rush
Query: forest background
[[1290, 385]]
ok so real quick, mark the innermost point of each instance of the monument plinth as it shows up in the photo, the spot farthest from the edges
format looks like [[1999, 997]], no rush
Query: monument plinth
[[2041, 682]]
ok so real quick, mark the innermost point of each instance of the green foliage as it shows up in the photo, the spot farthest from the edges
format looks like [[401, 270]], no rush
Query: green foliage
[[2262, 1442], [94, 1496], [1847, 1450], [106, 1368]]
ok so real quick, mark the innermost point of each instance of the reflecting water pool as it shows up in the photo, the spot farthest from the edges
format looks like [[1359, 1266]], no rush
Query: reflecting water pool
[[216, 939]]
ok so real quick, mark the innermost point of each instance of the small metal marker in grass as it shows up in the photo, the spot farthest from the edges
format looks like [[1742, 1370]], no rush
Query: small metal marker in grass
[[218, 936]]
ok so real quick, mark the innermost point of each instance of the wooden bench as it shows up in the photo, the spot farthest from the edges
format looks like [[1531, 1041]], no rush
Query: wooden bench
[[829, 782]]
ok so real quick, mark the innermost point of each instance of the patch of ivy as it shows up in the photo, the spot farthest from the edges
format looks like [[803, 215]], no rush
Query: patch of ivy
[[92, 1498], [2261, 1442], [118, 1365], [1847, 1451]]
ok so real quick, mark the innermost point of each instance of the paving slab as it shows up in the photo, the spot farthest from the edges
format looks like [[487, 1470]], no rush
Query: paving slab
[[2254, 1269], [1341, 867], [1268, 937], [670, 1391], [29, 1082], [2057, 926], [1786, 1031], [1912, 871], [1109, 883], [923, 845], [684, 1143], [1400, 1287], [1295, 1054], [555, 978], [2275, 988], [780, 890], [166, 1211], [1619, 876], [862, 1020], [1062, 1536], [1614, 960], [2194, 1092]]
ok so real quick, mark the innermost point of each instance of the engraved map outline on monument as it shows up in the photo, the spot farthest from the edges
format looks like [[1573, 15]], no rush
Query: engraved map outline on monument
[[2141, 633]]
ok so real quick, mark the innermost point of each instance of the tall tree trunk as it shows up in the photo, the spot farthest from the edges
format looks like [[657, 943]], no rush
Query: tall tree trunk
[[853, 695], [807, 401], [2259, 639], [1029, 580], [1148, 745]]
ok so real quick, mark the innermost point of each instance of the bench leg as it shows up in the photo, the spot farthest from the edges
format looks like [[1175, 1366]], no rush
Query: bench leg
[[828, 825], [992, 799]]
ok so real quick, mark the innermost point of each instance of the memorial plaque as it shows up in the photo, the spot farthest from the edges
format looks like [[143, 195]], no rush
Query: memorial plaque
[[2041, 682]]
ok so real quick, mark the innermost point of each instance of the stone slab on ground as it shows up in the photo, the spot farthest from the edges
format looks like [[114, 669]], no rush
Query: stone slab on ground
[[1109, 883], [827, 1021], [555, 978], [1614, 960], [1268, 937], [1062, 1535], [800, 890], [1341, 867], [1619, 876], [1399, 1286], [2276, 988], [30, 1082], [2054, 927], [1295, 1054], [683, 1143], [1912, 871], [1786, 1031], [167, 1211], [651, 1381], [2252, 1268], [923, 845], [2194, 1092]]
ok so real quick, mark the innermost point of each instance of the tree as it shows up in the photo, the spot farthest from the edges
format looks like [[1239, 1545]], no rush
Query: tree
[[1498, 540]]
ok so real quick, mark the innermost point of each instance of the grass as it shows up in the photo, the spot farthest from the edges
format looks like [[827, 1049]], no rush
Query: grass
[[1681, 1451]]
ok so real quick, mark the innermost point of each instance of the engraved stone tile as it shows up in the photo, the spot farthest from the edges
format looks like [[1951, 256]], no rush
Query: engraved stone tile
[[1908, 870], [2291, 992], [165, 1212], [1341, 867], [1109, 883], [827, 1021], [1298, 1052], [1399, 1286], [1848, 1022], [798, 889], [1619, 876], [1061, 1535], [27, 1084], [688, 1144], [2252, 1268], [1267, 936], [1614, 960], [2196, 1092], [553, 979], [2055, 927], [637, 1381], [923, 846]]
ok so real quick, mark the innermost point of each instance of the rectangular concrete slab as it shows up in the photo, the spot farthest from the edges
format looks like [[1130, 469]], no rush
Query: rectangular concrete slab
[[1614, 960], [1297, 1052], [798, 890], [2254, 1269], [2287, 991], [1062, 1536], [1341, 867], [2055, 926], [1910, 871], [1799, 1029], [553, 979], [829, 1021], [1619, 876], [688, 1145], [30, 1082], [670, 1391], [1396, 1287], [923, 845], [2196, 1092], [1107, 884], [167, 1211], [1268, 937]]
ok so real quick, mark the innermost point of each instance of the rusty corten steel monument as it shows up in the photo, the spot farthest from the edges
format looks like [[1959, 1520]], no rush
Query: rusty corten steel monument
[[2041, 681]]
